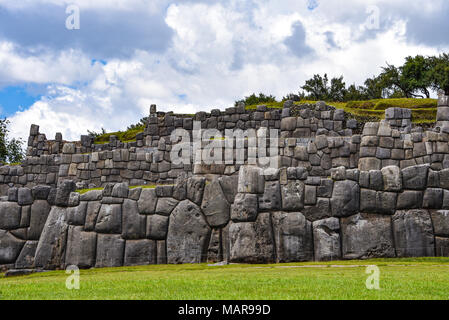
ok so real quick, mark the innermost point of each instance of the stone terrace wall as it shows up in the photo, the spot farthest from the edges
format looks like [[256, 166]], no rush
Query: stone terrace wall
[[280, 216], [147, 160]]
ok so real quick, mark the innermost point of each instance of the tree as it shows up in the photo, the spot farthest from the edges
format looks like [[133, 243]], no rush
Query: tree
[[416, 72], [337, 90], [254, 100], [317, 87], [11, 150], [354, 93], [439, 72], [374, 88]]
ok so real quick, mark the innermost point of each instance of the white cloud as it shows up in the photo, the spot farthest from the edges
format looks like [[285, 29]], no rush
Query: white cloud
[[218, 53]]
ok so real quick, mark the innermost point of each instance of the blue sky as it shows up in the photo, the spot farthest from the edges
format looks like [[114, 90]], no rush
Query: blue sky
[[191, 55]]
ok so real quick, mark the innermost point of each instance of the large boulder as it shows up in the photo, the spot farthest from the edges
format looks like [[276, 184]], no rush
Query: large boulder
[[440, 219], [271, 198], [39, 214], [81, 247], [109, 219], [9, 215], [157, 227], [293, 237], [140, 252], [133, 224], [252, 242], [251, 180], [188, 234], [195, 189], [293, 195], [165, 206], [413, 234], [63, 192], [326, 238], [345, 198], [215, 206], [93, 208], [110, 251], [51, 248], [377, 201], [392, 179], [10, 247], [244, 208], [147, 201], [367, 236], [415, 178], [26, 257], [229, 184]]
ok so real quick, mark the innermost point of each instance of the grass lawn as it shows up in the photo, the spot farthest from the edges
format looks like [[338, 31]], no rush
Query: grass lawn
[[424, 278]]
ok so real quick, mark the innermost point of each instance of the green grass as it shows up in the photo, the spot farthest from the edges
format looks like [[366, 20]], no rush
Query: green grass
[[147, 186], [423, 110], [426, 278], [123, 136]]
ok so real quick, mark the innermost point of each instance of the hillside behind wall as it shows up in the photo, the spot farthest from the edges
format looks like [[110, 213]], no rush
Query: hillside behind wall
[[384, 193]]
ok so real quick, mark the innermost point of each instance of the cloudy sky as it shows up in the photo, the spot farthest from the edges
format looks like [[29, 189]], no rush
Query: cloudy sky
[[191, 55]]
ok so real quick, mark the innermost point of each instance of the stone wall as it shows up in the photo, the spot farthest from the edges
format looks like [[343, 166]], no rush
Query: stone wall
[[254, 217]]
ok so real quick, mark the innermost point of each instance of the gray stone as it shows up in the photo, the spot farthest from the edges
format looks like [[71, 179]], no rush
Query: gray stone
[[252, 242], [293, 237], [26, 256], [413, 234], [293, 196], [441, 247], [157, 227], [392, 179], [110, 251], [271, 198], [215, 206], [251, 180], [326, 239], [188, 234], [147, 201], [120, 190], [377, 202], [63, 192], [338, 173], [81, 247], [345, 198], [39, 214], [24, 197], [410, 200], [415, 178], [77, 215], [440, 219], [109, 219], [133, 224], [41, 192], [318, 211], [50, 251], [367, 236], [93, 207], [229, 184], [10, 247], [433, 198], [244, 208], [165, 206], [140, 252], [10, 214], [195, 189], [376, 180]]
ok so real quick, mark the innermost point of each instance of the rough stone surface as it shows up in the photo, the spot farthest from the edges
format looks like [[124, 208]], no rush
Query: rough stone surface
[[252, 242], [147, 201], [367, 236], [157, 227], [345, 198], [10, 247], [245, 208], [440, 219], [109, 219], [50, 252], [26, 257], [188, 234], [293, 237], [133, 224], [215, 206], [81, 247], [326, 237], [140, 252], [110, 251], [413, 234], [10, 214], [293, 196]]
